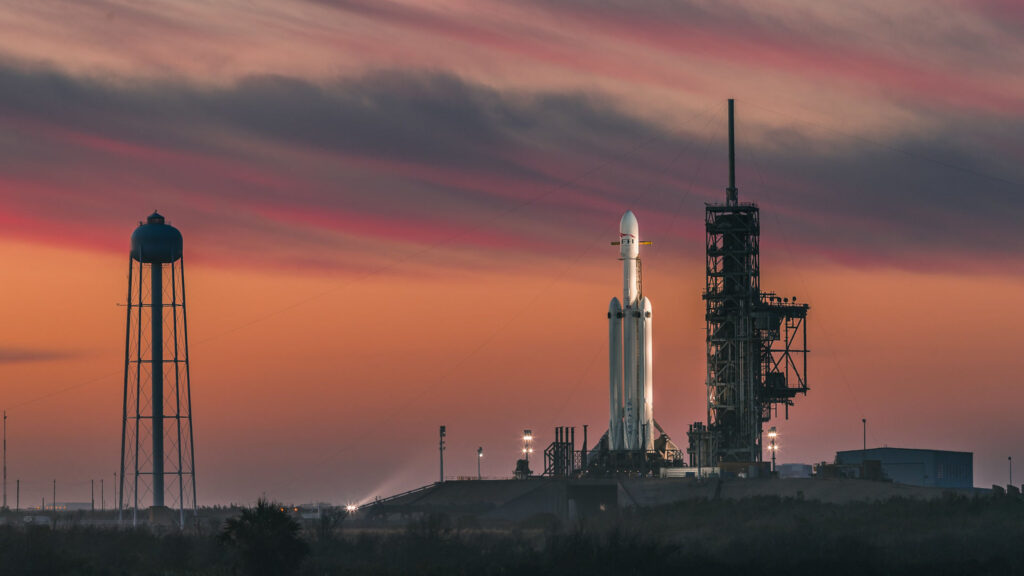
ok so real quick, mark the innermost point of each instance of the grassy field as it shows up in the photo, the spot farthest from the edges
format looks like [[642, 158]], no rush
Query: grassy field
[[763, 535]]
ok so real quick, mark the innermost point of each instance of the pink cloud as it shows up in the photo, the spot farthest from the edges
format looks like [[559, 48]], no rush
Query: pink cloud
[[755, 46]]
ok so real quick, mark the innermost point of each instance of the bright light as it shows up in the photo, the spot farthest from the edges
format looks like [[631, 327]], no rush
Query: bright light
[[351, 508], [527, 438], [771, 432]]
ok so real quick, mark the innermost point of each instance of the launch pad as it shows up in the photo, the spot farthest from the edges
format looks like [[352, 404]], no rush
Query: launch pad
[[756, 360], [562, 459]]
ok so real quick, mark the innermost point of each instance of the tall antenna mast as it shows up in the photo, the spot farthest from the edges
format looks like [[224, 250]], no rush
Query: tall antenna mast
[[731, 193]]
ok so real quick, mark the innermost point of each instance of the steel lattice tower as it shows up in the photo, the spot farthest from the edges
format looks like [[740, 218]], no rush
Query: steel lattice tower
[[156, 427], [732, 285], [756, 341]]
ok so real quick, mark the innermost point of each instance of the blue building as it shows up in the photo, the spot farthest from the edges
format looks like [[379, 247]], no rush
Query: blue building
[[937, 468]]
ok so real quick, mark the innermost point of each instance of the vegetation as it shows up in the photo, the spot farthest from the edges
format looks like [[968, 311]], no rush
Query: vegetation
[[265, 540], [957, 535]]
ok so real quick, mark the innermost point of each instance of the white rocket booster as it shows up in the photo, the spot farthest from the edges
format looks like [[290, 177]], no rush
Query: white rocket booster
[[631, 424]]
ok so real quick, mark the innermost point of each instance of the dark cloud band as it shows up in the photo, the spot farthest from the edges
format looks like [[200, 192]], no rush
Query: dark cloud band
[[298, 166]]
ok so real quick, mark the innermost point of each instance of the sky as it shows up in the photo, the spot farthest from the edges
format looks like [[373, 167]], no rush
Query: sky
[[397, 215]]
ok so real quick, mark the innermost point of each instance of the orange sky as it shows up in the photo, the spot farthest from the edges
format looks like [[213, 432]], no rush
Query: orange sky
[[397, 217], [302, 383]]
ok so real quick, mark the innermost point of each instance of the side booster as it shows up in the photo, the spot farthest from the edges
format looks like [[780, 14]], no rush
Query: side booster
[[631, 426]]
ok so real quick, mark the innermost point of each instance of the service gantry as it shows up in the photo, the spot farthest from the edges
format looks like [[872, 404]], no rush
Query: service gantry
[[756, 341]]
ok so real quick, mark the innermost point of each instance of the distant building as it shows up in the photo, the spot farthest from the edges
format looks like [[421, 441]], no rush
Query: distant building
[[937, 468], [74, 506], [793, 470]]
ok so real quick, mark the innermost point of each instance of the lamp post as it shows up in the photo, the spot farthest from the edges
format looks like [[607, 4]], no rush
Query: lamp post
[[527, 445], [443, 433], [5, 459], [1010, 460], [864, 423], [479, 457], [772, 446]]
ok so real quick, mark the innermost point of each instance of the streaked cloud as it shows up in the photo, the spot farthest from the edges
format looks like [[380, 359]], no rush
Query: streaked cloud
[[9, 355], [289, 169]]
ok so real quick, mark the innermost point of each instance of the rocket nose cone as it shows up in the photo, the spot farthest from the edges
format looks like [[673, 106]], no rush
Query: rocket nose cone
[[628, 225], [629, 236]]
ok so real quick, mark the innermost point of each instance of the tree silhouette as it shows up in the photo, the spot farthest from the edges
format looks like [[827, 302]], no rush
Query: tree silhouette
[[329, 523], [265, 539]]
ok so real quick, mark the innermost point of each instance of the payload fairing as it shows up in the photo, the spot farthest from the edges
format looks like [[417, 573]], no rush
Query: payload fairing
[[631, 425]]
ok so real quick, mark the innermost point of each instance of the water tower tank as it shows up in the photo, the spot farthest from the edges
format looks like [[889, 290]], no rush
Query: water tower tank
[[156, 241]]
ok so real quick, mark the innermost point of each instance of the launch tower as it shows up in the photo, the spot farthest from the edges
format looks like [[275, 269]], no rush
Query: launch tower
[[756, 341], [156, 427]]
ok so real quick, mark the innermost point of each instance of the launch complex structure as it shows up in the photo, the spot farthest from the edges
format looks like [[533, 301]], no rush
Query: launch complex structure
[[756, 354], [756, 348], [756, 341]]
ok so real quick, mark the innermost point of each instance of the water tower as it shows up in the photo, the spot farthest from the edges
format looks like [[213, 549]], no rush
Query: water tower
[[157, 453]]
